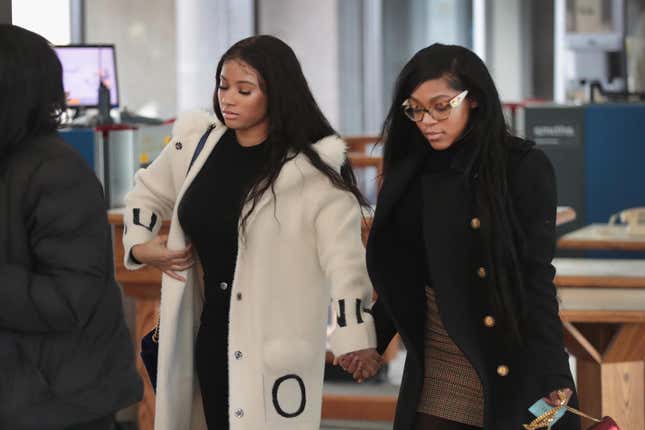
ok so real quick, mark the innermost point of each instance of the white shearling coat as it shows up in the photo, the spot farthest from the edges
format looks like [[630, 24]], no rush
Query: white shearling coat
[[291, 264]]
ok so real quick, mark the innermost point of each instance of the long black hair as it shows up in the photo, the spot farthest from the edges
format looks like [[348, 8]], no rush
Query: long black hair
[[295, 120], [32, 98], [464, 70]]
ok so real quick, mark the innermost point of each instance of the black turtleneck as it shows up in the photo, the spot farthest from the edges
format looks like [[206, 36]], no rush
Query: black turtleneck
[[408, 216]]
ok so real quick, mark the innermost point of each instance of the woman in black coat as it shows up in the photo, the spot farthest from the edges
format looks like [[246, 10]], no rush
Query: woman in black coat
[[66, 356], [460, 254]]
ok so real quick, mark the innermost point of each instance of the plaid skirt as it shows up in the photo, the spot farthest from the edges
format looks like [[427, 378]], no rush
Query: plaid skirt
[[451, 388]]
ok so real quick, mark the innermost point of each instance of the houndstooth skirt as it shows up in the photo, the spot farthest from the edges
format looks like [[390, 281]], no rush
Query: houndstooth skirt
[[451, 388]]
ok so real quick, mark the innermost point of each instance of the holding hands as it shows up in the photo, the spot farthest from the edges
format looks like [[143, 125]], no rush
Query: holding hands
[[361, 364]]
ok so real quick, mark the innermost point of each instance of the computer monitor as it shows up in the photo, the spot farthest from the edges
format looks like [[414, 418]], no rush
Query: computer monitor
[[83, 66]]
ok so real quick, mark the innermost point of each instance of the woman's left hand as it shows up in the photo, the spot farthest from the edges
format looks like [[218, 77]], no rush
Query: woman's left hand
[[361, 364], [559, 397]]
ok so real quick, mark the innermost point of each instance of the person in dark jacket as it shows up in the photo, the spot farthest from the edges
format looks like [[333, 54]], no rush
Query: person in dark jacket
[[460, 255], [66, 356]]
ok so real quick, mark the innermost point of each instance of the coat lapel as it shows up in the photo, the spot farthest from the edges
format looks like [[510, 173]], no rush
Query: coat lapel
[[393, 187]]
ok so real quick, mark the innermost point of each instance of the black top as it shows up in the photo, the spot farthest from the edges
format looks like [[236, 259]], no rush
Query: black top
[[209, 213], [210, 210]]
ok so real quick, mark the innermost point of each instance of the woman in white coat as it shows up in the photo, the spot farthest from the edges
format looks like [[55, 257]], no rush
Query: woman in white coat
[[265, 211]]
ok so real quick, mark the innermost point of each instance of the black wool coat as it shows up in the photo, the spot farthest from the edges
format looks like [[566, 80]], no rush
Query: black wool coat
[[513, 378], [66, 356]]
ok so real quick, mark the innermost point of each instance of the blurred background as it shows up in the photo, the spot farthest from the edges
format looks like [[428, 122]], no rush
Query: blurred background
[[571, 75], [352, 50]]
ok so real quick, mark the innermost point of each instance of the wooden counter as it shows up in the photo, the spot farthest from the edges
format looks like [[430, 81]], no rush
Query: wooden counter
[[564, 214], [602, 306], [602, 237]]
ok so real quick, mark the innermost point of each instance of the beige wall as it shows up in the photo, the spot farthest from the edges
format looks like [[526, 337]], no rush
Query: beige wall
[[310, 27], [144, 35]]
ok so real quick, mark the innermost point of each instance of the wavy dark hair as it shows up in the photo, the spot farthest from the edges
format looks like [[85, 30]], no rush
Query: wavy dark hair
[[462, 69], [32, 98], [295, 120]]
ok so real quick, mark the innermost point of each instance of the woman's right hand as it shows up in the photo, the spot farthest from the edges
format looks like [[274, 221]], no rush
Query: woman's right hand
[[155, 253]]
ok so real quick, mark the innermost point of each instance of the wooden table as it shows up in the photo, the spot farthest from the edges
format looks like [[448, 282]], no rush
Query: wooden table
[[602, 237], [367, 401], [602, 306], [564, 214], [359, 144], [608, 335], [358, 160]]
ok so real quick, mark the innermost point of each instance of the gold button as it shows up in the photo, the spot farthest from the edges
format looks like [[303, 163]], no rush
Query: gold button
[[502, 370], [489, 321], [481, 272], [475, 223]]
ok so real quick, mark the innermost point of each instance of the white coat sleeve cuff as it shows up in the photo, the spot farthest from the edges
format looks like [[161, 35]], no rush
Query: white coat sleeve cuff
[[343, 340], [134, 235], [140, 225]]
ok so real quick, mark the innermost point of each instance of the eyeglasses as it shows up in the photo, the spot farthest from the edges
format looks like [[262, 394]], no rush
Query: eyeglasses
[[440, 111]]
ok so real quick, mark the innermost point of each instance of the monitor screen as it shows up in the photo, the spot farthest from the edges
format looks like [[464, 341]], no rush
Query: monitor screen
[[83, 66]]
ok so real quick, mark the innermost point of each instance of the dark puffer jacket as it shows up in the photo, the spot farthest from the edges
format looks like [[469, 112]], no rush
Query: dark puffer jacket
[[65, 352]]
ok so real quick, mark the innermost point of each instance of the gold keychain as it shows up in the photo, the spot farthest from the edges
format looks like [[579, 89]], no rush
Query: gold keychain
[[546, 419], [563, 401]]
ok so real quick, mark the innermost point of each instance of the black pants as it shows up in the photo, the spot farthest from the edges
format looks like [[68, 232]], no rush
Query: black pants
[[430, 422], [212, 369], [106, 423]]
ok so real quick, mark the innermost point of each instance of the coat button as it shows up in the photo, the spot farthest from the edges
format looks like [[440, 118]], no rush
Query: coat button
[[238, 355], [481, 272], [489, 321], [223, 286], [475, 223], [239, 413], [178, 146], [239, 297], [502, 370]]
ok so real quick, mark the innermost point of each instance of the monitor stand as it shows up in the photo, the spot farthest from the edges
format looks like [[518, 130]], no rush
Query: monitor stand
[[84, 117]]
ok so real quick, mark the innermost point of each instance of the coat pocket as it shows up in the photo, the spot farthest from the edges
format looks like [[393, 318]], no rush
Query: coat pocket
[[292, 385]]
